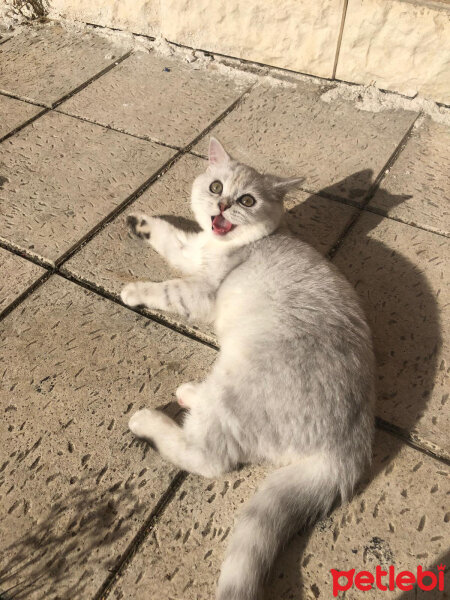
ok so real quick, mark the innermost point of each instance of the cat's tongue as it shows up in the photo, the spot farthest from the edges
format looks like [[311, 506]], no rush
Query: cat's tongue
[[221, 226]]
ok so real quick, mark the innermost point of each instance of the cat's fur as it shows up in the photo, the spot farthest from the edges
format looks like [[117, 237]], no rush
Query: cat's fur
[[293, 382]]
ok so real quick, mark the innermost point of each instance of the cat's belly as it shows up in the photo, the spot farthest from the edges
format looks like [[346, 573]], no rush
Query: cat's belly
[[241, 306]]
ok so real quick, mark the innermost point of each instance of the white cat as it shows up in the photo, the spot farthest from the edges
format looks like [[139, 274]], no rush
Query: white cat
[[293, 382]]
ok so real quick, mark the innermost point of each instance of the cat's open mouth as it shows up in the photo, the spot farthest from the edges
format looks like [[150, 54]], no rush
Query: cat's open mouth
[[220, 225]]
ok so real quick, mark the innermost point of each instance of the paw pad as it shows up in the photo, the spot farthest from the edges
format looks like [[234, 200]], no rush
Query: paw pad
[[139, 225]]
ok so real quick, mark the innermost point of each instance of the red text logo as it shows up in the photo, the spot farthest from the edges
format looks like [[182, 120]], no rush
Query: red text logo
[[388, 580]]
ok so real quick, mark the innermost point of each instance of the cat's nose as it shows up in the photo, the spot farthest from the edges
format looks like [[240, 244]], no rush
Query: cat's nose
[[223, 206]]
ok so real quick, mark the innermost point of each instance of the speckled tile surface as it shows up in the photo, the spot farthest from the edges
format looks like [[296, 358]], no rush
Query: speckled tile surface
[[115, 257], [422, 171], [158, 98], [14, 113], [398, 517], [45, 63], [16, 275], [290, 131], [64, 176], [74, 485], [402, 275]]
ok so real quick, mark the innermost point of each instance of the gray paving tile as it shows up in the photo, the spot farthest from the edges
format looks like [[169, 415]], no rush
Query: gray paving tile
[[115, 257], [75, 487], [16, 276], [52, 61], [14, 113], [398, 517], [157, 97], [422, 171], [289, 130], [402, 276], [63, 176]]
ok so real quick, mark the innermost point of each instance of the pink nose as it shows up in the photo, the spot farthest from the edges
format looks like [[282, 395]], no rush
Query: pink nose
[[222, 206]]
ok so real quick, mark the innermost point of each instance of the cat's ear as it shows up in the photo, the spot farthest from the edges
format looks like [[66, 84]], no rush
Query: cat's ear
[[217, 153], [284, 184]]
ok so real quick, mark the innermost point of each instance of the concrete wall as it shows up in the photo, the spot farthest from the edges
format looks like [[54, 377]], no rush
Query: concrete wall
[[399, 45]]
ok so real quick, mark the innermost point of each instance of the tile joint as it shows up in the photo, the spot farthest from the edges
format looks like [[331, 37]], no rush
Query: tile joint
[[373, 189], [140, 537], [407, 438]]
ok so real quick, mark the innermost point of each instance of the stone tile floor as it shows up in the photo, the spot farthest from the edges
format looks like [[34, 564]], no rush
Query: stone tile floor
[[91, 129]]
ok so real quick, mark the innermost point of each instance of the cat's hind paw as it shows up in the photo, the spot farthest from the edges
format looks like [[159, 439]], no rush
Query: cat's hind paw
[[186, 394], [140, 225], [146, 423]]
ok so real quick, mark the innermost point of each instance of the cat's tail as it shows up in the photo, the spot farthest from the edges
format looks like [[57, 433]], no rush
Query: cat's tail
[[290, 498]]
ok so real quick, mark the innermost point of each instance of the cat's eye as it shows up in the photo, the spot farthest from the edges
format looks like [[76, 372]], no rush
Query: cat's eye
[[216, 187], [247, 200]]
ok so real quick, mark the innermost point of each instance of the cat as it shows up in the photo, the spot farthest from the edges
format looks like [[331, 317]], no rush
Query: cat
[[293, 383]]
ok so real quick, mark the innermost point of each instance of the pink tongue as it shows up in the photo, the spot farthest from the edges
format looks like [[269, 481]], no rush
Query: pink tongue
[[221, 225]]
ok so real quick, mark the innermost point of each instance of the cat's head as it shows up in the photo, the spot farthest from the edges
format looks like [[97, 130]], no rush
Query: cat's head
[[236, 203]]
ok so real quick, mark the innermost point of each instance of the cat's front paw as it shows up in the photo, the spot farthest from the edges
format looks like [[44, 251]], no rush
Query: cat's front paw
[[132, 295], [140, 225]]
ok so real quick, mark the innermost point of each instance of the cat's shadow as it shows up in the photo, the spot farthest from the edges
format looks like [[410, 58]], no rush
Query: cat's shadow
[[389, 320]]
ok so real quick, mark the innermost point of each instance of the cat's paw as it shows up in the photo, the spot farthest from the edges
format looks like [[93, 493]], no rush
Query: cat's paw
[[148, 423], [186, 394], [140, 225], [142, 423], [132, 295]]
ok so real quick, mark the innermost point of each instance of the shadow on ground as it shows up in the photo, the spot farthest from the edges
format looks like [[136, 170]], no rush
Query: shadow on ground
[[397, 351], [57, 558]]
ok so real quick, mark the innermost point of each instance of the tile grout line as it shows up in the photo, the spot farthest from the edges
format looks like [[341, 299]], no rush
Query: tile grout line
[[408, 438], [24, 295], [87, 83], [161, 320], [373, 189], [25, 124], [140, 537], [110, 128], [25, 100], [371, 209], [376, 211], [119, 209]]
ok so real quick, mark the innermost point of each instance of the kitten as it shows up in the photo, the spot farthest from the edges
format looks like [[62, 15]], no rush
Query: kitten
[[293, 383]]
